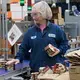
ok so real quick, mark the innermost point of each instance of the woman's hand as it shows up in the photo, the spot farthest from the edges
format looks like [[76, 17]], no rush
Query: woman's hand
[[56, 51], [13, 61], [51, 50]]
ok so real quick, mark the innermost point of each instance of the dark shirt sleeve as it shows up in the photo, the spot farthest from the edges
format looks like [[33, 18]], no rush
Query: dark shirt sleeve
[[24, 48], [62, 42]]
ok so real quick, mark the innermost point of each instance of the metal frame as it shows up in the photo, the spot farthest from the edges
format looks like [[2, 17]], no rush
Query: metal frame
[[15, 73]]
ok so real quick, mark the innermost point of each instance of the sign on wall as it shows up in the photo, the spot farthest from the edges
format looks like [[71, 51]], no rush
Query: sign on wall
[[14, 34]]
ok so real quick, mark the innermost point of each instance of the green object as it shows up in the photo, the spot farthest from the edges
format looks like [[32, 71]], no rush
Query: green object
[[29, 8], [22, 2]]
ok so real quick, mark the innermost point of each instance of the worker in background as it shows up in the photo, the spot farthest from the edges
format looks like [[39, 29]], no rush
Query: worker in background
[[37, 37], [75, 11]]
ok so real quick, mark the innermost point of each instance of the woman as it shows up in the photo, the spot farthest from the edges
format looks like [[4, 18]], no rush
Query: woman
[[37, 37]]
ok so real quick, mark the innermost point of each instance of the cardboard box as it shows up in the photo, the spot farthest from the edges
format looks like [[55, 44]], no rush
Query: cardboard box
[[56, 10], [75, 76], [61, 21], [60, 16], [74, 72], [56, 21], [57, 16], [60, 10]]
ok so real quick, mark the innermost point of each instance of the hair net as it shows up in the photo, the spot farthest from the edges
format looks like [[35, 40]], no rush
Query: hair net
[[44, 9]]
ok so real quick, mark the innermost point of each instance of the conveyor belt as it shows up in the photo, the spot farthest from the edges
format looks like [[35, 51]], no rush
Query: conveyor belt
[[19, 69]]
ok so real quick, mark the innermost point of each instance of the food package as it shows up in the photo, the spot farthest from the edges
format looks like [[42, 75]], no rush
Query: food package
[[74, 56], [50, 50], [46, 70], [58, 68]]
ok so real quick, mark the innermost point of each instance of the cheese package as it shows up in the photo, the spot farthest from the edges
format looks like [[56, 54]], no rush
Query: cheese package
[[50, 50]]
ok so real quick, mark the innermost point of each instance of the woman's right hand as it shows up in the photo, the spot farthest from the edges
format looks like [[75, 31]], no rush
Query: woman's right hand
[[13, 61]]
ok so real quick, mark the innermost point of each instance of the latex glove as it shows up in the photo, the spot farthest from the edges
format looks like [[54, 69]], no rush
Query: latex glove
[[13, 61]]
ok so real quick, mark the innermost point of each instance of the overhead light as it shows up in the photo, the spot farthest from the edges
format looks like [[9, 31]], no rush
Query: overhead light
[[53, 5], [67, 1]]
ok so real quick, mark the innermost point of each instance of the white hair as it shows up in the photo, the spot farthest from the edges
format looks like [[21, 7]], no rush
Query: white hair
[[44, 9]]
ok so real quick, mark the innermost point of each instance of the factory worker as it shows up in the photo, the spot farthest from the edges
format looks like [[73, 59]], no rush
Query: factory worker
[[40, 35], [75, 10]]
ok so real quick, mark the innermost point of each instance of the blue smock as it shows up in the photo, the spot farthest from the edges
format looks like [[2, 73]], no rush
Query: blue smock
[[36, 40]]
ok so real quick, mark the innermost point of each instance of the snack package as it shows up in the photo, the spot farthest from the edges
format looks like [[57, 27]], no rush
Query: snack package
[[58, 68], [50, 50]]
